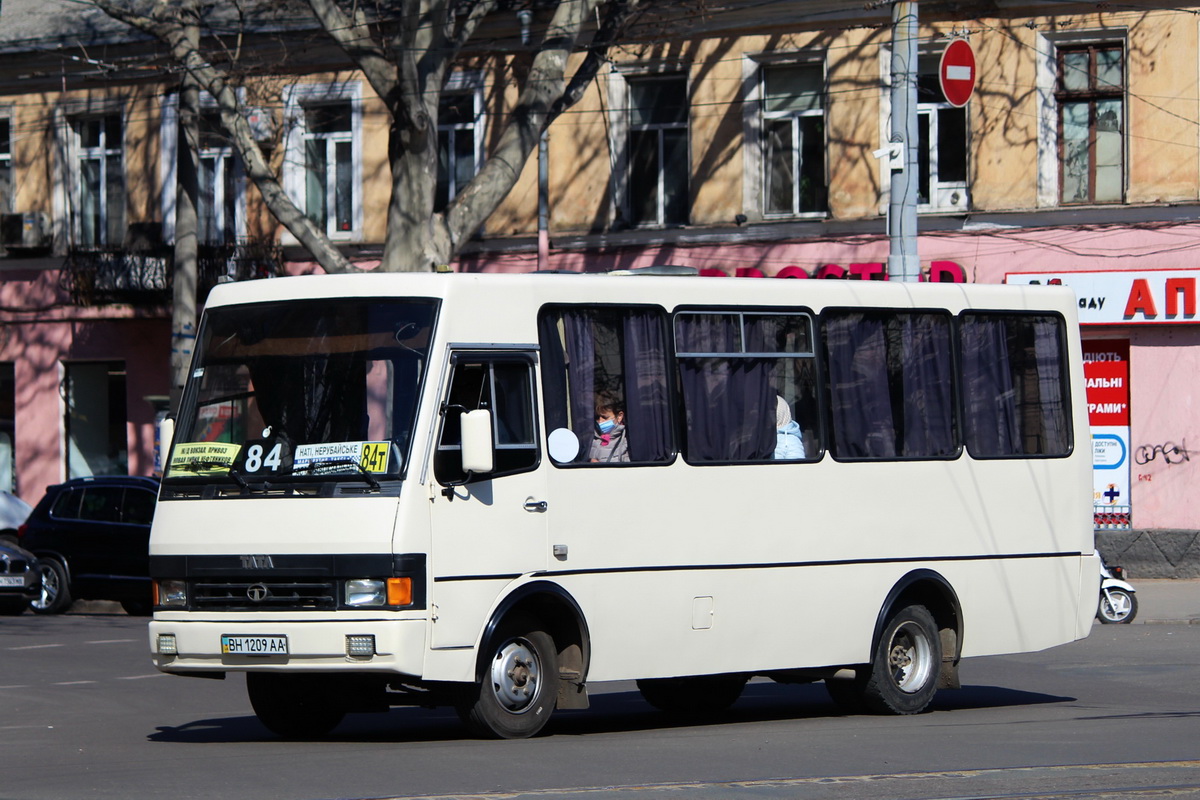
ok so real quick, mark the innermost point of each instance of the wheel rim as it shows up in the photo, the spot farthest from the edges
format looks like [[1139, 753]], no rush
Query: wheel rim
[[49, 588], [1116, 605], [910, 658], [516, 675]]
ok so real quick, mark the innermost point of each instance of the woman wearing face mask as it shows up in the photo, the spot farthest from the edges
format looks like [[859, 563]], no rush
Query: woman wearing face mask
[[609, 444]]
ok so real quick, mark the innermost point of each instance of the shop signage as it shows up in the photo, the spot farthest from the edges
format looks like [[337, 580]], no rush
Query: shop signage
[[1106, 370], [1144, 297], [939, 272]]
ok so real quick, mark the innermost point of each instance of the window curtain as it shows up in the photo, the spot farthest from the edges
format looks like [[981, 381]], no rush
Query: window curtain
[[990, 398], [730, 403], [1048, 351], [647, 418], [856, 352], [581, 377], [928, 410]]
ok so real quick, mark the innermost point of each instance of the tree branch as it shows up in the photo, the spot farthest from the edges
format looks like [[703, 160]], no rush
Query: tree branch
[[165, 25], [356, 40]]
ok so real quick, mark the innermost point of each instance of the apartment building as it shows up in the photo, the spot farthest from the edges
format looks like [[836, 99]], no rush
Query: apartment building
[[742, 141]]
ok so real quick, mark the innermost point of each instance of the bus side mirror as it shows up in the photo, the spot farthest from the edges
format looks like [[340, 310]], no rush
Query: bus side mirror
[[478, 457]]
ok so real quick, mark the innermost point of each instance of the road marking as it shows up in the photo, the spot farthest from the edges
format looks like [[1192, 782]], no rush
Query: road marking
[[16, 686], [112, 641], [36, 646], [74, 683], [142, 677]]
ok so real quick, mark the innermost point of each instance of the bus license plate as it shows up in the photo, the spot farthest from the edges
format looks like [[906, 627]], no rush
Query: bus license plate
[[254, 645]]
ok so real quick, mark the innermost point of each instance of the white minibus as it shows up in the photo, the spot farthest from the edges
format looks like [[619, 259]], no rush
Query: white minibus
[[492, 491]]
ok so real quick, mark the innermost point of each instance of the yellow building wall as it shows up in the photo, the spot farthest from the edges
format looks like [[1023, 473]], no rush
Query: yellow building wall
[[1162, 112]]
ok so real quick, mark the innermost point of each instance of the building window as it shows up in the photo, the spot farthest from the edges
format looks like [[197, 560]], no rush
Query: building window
[[1091, 150], [323, 169], [329, 166], [942, 144], [793, 144], [100, 190], [458, 117], [658, 150], [219, 183], [95, 418], [6, 168]]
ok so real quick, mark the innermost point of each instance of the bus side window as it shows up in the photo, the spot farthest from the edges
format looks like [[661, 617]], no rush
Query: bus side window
[[615, 355], [1014, 385], [891, 384], [505, 387], [749, 386]]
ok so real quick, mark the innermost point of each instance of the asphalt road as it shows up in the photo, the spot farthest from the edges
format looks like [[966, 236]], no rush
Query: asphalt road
[[84, 715]]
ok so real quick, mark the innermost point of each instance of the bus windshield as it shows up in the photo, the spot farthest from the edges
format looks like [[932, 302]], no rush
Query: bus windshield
[[303, 390]]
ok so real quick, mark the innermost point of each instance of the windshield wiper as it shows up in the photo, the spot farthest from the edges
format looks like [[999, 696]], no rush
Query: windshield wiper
[[363, 471], [197, 466]]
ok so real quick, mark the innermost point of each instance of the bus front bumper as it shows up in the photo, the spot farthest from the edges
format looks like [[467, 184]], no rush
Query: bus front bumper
[[368, 645]]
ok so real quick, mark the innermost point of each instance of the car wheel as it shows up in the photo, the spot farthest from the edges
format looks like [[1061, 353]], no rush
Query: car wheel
[[295, 706], [56, 593]]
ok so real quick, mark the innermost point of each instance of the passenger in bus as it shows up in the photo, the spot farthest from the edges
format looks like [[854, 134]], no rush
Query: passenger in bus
[[788, 442], [609, 444]]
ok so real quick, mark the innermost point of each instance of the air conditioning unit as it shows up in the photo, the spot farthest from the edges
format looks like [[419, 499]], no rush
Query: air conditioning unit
[[28, 230]]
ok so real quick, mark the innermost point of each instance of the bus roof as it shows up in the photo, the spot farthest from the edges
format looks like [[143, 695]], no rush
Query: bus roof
[[497, 291]]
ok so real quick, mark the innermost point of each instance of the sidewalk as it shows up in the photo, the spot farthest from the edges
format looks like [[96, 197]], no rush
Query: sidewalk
[[1167, 602]]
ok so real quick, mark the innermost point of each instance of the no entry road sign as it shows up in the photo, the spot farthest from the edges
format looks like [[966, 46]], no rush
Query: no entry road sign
[[957, 72]]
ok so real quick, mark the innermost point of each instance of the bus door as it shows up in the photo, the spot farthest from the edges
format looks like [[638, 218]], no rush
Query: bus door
[[487, 529]]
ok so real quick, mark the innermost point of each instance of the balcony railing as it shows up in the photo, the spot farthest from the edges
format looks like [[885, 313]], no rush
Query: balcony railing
[[145, 277]]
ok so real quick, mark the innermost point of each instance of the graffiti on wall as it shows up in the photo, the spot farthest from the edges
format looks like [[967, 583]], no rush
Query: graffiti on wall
[[1170, 453]]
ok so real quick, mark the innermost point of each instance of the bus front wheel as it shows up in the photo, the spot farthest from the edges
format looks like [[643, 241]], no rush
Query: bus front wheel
[[904, 669], [519, 686]]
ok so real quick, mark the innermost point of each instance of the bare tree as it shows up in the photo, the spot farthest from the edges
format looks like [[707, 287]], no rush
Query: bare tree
[[406, 50]]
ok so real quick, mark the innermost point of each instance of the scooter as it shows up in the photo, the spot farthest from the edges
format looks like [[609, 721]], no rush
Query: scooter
[[1118, 603]]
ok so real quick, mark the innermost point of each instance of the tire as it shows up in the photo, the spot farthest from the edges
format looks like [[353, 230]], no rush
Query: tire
[[906, 663], [56, 591], [519, 688], [1120, 611], [295, 706], [13, 606], [707, 694]]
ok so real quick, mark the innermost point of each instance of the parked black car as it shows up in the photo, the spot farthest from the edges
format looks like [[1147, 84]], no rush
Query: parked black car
[[20, 579], [92, 538]]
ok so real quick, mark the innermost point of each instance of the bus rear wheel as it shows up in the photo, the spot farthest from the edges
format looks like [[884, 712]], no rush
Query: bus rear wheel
[[706, 694], [906, 663], [519, 686], [294, 706]]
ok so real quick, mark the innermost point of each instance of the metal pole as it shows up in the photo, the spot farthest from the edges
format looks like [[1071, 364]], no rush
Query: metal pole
[[903, 261], [543, 247]]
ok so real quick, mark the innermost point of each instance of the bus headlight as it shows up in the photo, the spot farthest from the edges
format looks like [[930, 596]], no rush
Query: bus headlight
[[171, 593], [366, 592]]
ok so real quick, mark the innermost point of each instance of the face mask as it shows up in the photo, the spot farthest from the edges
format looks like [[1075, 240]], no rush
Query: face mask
[[607, 425]]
